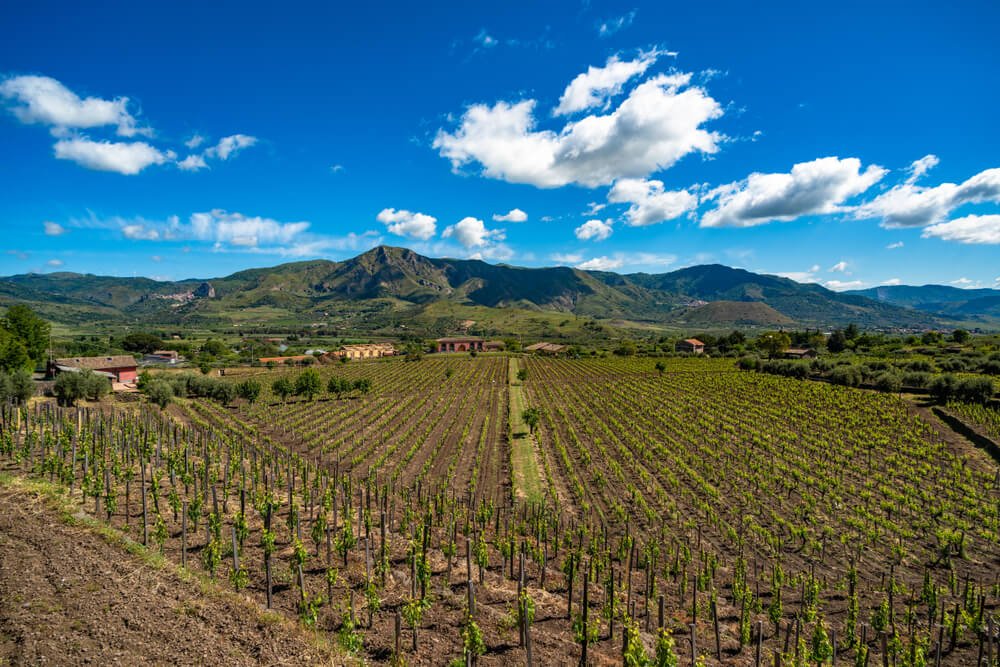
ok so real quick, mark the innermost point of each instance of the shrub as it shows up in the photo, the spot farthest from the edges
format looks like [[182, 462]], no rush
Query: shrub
[[916, 379], [848, 376], [71, 387], [748, 363], [159, 392], [888, 381], [974, 390], [943, 387]]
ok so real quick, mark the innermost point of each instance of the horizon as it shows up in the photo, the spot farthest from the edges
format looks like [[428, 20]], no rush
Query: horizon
[[642, 139]]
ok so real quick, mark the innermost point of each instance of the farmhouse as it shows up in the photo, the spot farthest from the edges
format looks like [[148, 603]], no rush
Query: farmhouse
[[169, 357], [546, 348], [120, 367], [366, 351], [494, 346], [462, 344], [690, 345], [799, 353]]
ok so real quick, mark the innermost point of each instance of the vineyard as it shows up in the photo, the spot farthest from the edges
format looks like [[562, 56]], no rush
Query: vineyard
[[678, 514]]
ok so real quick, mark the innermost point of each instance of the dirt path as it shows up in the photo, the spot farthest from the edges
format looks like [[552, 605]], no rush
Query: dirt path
[[525, 475], [68, 596]]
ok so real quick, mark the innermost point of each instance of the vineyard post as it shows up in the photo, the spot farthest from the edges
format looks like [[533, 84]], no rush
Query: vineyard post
[[584, 616], [184, 533], [833, 647], [989, 641], [236, 552], [267, 555], [715, 622], [694, 648], [396, 655], [884, 637], [145, 521], [128, 489], [760, 639]]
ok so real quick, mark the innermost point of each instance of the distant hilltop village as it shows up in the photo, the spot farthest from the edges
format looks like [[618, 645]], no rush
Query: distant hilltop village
[[203, 291]]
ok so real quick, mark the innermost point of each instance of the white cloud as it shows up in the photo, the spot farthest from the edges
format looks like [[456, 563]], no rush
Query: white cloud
[[484, 39], [894, 245], [156, 258], [230, 146], [140, 232], [55, 263], [613, 25], [633, 260], [46, 101], [841, 285], [514, 215], [195, 141], [892, 281], [650, 204], [801, 276], [237, 229], [839, 267], [119, 157], [596, 86], [601, 264], [984, 229], [192, 163], [406, 223], [812, 188], [655, 126], [472, 233], [921, 167], [53, 228], [596, 230], [566, 258], [593, 208], [910, 205], [337, 168], [964, 283]]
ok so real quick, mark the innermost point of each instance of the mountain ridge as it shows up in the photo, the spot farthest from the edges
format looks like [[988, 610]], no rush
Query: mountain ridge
[[389, 280]]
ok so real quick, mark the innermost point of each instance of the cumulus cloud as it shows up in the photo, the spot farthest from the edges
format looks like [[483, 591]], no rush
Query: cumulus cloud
[[230, 146], [45, 101], [801, 276], [613, 25], [811, 188], [891, 282], [602, 263], [127, 158], [472, 233], [839, 267], [633, 260], [841, 285], [649, 203], [596, 230], [407, 223], [55, 263], [658, 123], [138, 231], [195, 141], [979, 229], [514, 215], [245, 231], [192, 163], [53, 228], [894, 245], [596, 86], [921, 167], [909, 205]]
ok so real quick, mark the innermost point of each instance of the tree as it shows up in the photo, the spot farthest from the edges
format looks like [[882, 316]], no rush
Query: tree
[[141, 342], [773, 342], [283, 388], [960, 336], [363, 385], [308, 383], [223, 392], [660, 367], [71, 387], [248, 390], [851, 332], [214, 348], [33, 332], [338, 385], [531, 417], [159, 392], [837, 342], [522, 374], [13, 353], [627, 348], [22, 387]]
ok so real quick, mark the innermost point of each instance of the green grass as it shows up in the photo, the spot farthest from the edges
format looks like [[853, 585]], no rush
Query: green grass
[[524, 466]]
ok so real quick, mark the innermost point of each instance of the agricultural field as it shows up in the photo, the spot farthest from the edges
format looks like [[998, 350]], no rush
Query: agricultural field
[[691, 512]]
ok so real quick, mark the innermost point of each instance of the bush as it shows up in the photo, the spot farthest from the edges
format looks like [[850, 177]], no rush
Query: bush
[[793, 369], [990, 368], [953, 365], [248, 390], [159, 392], [22, 387], [943, 387], [916, 379], [748, 363], [71, 387], [308, 384], [974, 390], [848, 376], [889, 382], [224, 392]]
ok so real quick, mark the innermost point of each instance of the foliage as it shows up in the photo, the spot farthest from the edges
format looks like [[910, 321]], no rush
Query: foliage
[[308, 384], [71, 387]]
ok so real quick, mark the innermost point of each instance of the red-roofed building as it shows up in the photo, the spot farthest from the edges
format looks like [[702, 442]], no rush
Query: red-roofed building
[[690, 345]]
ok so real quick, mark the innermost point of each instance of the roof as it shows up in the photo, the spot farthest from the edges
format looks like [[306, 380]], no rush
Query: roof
[[462, 339], [693, 341], [278, 360], [800, 350], [75, 369], [99, 363]]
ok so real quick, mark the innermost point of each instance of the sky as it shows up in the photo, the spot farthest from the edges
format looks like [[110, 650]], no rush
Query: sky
[[851, 144]]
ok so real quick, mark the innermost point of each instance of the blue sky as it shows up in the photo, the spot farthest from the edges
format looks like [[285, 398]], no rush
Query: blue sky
[[851, 144]]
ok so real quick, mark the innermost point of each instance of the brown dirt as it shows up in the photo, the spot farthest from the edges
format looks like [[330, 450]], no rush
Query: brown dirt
[[68, 596]]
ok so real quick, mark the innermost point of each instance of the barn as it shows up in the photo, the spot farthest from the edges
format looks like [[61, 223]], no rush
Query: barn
[[690, 345], [460, 344]]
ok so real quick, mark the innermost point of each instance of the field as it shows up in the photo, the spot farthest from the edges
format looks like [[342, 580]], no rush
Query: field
[[756, 515]]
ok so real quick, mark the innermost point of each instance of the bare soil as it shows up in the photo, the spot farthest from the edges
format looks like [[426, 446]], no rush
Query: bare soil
[[68, 597]]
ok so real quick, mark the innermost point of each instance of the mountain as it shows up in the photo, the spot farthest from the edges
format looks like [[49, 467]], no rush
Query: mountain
[[389, 285], [949, 302]]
